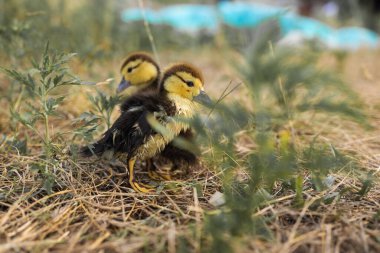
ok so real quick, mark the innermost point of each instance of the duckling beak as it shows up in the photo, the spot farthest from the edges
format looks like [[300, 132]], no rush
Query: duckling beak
[[203, 99], [123, 85]]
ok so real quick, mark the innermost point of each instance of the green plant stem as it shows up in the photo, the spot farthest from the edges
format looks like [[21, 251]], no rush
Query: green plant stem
[[47, 135], [281, 86], [46, 121], [18, 100], [149, 32]]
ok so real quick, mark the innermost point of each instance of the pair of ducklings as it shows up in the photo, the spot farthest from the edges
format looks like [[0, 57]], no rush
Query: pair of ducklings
[[161, 99]]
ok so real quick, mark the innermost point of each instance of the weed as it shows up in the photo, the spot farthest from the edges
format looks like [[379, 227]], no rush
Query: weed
[[104, 106], [279, 75], [40, 82]]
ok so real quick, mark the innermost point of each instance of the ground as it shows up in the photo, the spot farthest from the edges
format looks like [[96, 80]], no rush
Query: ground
[[92, 209]]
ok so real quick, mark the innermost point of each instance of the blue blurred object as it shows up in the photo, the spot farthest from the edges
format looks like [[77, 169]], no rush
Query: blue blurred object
[[310, 28], [185, 17], [241, 14], [194, 17], [352, 38], [136, 14], [190, 17]]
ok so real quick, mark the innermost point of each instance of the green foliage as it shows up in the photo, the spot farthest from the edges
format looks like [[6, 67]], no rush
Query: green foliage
[[19, 35], [273, 160], [321, 160], [290, 81], [93, 28], [40, 82], [367, 184], [104, 106], [282, 83], [86, 126], [12, 37], [48, 179], [88, 29], [13, 144]]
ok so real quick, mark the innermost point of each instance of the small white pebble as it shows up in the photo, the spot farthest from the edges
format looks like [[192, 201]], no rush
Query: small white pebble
[[217, 199]]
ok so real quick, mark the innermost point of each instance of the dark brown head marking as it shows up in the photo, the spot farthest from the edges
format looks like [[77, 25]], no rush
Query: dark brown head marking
[[181, 67], [139, 55]]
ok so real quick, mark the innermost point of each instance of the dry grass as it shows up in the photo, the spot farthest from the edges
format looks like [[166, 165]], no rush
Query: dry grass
[[92, 209]]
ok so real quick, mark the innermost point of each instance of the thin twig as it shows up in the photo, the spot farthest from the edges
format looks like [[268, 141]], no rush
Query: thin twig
[[149, 32]]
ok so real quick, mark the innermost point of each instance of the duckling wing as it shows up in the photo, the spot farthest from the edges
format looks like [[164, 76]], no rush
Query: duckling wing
[[114, 138], [130, 130], [147, 99]]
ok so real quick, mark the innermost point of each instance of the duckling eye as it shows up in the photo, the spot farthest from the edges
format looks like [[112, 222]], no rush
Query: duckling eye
[[129, 69], [190, 83]]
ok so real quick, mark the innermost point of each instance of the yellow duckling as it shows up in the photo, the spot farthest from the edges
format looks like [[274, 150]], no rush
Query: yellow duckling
[[132, 137], [139, 73]]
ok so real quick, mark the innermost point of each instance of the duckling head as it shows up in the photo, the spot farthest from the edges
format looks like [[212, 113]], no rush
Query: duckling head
[[139, 70], [186, 81]]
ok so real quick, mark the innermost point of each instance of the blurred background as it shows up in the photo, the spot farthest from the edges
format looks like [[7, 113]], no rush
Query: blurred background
[[106, 31], [217, 36], [102, 29]]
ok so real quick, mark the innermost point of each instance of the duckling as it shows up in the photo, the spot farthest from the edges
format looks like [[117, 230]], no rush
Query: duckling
[[132, 137], [141, 74]]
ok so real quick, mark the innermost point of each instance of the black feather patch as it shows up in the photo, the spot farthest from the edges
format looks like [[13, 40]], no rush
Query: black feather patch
[[131, 129], [171, 152], [150, 99], [177, 155]]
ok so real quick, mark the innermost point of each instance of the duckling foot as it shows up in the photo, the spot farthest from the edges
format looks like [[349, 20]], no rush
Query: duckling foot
[[138, 187], [155, 174], [159, 176], [141, 187]]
